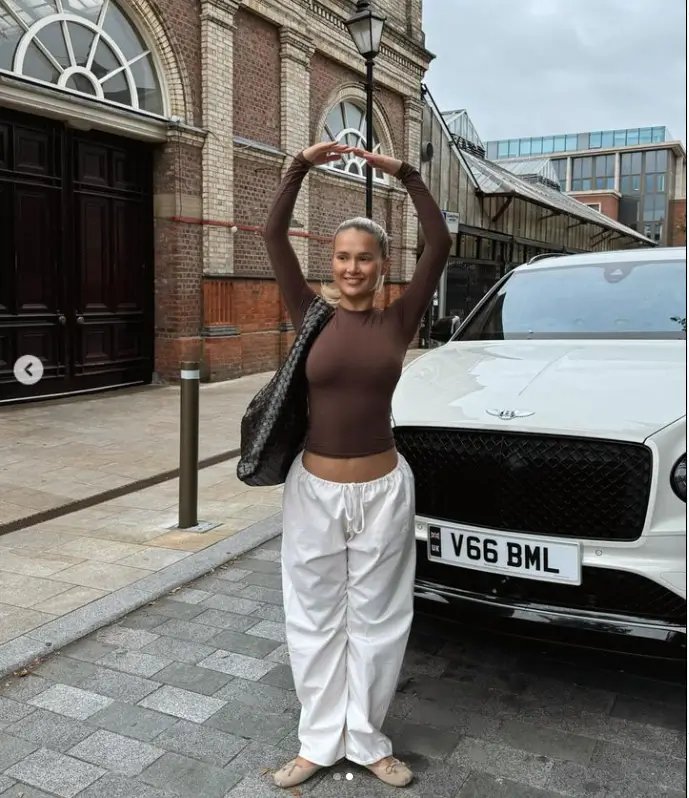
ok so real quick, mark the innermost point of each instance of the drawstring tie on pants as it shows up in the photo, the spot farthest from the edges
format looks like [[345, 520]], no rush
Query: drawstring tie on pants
[[354, 508]]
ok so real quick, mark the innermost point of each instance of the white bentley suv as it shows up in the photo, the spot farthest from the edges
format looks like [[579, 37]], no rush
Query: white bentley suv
[[548, 444]]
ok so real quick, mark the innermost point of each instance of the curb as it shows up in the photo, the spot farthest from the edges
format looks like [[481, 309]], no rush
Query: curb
[[54, 635]]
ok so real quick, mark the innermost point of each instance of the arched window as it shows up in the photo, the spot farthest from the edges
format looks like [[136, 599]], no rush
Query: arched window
[[346, 124], [85, 46]]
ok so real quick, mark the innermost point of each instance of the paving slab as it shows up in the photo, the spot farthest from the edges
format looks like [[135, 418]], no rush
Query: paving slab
[[200, 742], [469, 726], [12, 711], [189, 677], [95, 443], [50, 730], [116, 753], [132, 721], [138, 651], [58, 451], [55, 773], [185, 777]]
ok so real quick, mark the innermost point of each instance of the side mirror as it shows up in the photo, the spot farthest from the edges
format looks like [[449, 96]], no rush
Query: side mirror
[[444, 329]]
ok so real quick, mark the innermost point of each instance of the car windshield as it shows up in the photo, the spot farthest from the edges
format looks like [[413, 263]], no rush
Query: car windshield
[[601, 300]]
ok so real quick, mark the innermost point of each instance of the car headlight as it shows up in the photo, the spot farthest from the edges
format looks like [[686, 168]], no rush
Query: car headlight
[[678, 478]]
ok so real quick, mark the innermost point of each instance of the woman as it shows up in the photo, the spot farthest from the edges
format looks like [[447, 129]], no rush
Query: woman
[[348, 548]]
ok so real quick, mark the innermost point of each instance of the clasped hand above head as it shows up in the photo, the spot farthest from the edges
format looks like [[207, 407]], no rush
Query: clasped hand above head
[[329, 152]]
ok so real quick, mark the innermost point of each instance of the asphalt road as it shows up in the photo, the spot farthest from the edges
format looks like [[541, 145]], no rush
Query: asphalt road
[[192, 697]]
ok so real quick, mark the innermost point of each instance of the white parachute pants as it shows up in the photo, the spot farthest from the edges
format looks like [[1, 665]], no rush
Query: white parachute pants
[[348, 562]]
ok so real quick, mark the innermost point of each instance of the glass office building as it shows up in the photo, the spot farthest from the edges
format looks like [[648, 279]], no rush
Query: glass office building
[[573, 142], [631, 165]]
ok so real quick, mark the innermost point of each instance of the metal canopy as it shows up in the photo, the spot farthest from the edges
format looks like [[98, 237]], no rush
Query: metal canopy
[[528, 167], [459, 124], [494, 180]]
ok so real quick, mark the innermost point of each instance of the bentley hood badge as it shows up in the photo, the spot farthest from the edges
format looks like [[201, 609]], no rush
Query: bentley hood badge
[[508, 415]]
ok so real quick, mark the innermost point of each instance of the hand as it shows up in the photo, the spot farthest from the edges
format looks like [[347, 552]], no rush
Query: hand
[[376, 161], [325, 152]]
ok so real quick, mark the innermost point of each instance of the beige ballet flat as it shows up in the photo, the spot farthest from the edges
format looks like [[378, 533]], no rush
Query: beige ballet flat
[[391, 771], [293, 774]]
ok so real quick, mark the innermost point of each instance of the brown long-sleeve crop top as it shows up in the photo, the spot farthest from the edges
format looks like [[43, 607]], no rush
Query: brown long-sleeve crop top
[[356, 361]]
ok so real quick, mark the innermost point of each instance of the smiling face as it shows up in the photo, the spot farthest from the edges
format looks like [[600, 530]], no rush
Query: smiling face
[[358, 267]]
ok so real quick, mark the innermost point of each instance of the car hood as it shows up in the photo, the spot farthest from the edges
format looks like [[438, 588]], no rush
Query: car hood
[[625, 390]]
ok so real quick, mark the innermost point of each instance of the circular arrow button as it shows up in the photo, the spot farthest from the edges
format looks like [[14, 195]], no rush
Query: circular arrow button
[[28, 369]]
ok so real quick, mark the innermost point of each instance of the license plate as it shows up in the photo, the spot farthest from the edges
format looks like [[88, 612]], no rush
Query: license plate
[[527, 557]]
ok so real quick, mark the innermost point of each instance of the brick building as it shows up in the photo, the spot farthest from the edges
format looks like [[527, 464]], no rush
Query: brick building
[[140, 144]]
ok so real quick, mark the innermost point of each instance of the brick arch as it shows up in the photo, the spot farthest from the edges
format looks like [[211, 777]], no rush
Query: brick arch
[[353, 91], [175, 85]]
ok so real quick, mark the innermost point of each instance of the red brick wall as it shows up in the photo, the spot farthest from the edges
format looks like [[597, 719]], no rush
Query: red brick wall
[[256, 79], [182, 24], [677, 223], [178, 245], [178, 258], [609, 203], [255, 183], [245, 319], [245, 311], [250, 316], [247, 314], [334, 199], [327, 76], [332, 202], [393, 109]]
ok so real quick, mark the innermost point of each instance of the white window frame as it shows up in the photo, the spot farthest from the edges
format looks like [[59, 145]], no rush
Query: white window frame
[[61, 17], [354, 167]]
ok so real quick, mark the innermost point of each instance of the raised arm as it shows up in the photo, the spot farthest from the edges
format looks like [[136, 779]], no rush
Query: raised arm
[[295, 290], [283, 259], [413, 303]]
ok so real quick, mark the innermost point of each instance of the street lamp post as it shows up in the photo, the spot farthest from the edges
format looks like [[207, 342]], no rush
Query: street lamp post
[[366, 29]]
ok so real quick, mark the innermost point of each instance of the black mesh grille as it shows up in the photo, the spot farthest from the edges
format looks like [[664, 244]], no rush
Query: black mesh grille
[[602, 589], [540, 484]]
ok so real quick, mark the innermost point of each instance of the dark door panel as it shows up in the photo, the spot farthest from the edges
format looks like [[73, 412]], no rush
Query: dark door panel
[[125, 172], [36, 244], [6, 245], [92, 255], [129, 258], [34, 151], [30, 287], [113, 228], [5, 138], [76, 227], [37, 286], [91, 166]]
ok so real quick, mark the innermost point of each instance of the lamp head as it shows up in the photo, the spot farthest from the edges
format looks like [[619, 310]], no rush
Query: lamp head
[[366, 29]]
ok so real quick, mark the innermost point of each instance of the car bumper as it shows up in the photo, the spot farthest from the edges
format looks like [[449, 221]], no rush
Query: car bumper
[[582, 620], [656, 560]]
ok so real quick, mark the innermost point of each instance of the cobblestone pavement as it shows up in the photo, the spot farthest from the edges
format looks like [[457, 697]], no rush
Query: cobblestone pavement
[[192, 697]]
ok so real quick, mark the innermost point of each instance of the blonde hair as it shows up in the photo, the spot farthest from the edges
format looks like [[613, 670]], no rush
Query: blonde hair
[[331, 293]]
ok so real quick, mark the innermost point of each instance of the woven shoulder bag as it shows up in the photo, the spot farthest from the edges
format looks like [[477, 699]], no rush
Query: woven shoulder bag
[[273, 430]]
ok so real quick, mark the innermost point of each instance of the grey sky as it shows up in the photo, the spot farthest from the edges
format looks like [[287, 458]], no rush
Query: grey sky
[[539, 67]]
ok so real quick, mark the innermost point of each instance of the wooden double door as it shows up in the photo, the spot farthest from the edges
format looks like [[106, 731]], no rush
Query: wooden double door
[[76, 257]]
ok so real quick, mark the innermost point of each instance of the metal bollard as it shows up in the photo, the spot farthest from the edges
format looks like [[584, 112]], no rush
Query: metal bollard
[[189, 445]]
